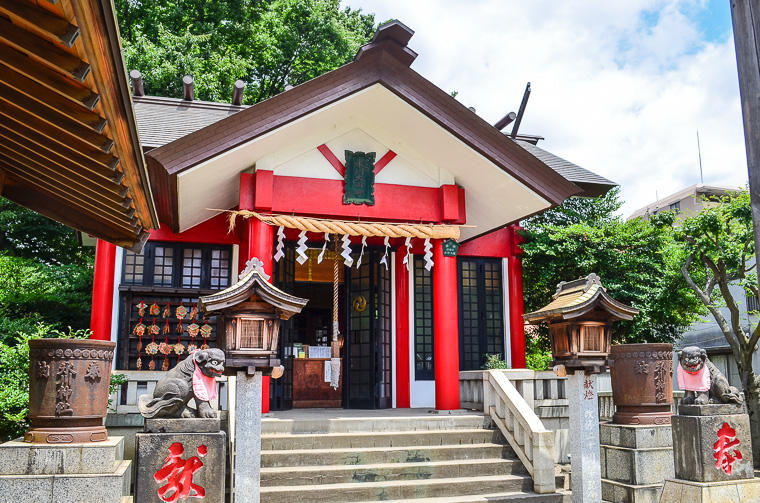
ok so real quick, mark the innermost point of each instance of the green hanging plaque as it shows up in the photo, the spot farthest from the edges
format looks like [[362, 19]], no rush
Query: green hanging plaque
[[450, 248], [359, 180]]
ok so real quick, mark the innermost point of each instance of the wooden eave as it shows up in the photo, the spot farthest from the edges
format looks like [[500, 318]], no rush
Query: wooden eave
[[385, 61], [252, 284], [68, 137]]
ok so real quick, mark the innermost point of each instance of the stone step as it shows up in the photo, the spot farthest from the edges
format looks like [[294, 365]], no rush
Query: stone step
[[339, 474], [375, 424], [22, 458], [374, 455], [81, 487], [397, 489], [493, 498], [283, 441]]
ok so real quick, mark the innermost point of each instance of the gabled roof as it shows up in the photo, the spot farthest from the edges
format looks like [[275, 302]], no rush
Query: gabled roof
[[163, 120], [252, 283], [576, 298], [384, 61], [592, 184], [68, 142]]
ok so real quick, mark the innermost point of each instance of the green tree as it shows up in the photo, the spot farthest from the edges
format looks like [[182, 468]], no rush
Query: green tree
[[636, 261], [266, 43], [46, 274], [719, 251]]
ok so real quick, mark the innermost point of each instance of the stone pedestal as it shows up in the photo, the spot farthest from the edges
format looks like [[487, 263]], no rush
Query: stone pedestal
[[53, 473], [583, 408], [712, 453], [635, 461], [247, 454], [695, 433], [176, 455]]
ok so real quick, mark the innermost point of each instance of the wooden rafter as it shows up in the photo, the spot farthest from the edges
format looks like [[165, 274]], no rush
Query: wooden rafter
[[68, 138]]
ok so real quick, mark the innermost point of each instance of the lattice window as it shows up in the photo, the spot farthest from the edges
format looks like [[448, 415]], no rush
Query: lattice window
[[481, 311], [163, 265], [424, 364], [251, 333], [220, 268], [192, 265], [134, 264]]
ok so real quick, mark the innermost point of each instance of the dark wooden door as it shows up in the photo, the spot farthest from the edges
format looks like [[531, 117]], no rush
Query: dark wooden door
[[368, 339], [281, 390]]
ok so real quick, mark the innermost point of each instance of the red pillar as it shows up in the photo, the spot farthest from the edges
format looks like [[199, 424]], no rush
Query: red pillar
[[102, 290], [446, 329], [402, 330], [516, 307], [260, 236]]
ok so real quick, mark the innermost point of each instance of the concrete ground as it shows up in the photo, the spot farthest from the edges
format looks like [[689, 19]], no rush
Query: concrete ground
[[315, 414]]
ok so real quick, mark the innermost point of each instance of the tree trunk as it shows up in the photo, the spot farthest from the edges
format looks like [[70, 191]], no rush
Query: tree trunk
[[752, 397]]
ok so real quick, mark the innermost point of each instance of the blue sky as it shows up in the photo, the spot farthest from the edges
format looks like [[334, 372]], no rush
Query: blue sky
[[619, 87]]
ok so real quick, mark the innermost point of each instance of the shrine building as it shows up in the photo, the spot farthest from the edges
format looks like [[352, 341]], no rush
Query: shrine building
[[368, 182]]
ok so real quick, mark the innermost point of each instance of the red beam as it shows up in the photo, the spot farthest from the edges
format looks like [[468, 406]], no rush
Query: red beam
[[320, 197], [264, 190], [384, 160], [402, 331], [212, 231], [102, 290], [334, 161]]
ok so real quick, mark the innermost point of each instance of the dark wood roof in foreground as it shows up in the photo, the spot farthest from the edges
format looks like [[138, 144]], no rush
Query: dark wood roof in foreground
[[68, 139], [385, 60]]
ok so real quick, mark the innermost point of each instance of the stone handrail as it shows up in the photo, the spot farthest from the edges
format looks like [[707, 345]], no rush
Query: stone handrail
[[524, 431], [141, 382], [607, 406]]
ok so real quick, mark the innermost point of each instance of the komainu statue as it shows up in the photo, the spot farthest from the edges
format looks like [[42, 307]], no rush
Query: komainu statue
[[701, 381], [194, 377]]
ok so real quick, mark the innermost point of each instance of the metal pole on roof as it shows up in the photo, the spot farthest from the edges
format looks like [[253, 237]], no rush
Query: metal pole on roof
[[699, 152], [521, 111]]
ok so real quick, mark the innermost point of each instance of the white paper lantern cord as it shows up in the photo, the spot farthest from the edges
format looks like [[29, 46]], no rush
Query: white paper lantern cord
[[384, 260], [324, 247], [428, 255], [408, 244], [361, 254], [346, 253], [280, 244], [301, 250]]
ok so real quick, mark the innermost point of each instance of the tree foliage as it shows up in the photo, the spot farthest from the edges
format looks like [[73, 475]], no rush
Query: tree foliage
[[718, 250], [636, 261], [46, 274], [266, 43]]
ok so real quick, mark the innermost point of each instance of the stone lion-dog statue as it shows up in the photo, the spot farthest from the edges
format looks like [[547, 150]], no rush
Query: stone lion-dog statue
[[194, 377]]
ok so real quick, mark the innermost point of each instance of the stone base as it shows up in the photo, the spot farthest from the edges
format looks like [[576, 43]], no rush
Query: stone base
[[635, 461], [68, 435], [694, 437], [152, 450], [44, 473], [190, 425], [732, 491]]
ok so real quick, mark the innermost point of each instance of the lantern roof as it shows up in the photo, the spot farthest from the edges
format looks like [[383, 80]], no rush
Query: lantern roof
[[581, 296], [253, 282]]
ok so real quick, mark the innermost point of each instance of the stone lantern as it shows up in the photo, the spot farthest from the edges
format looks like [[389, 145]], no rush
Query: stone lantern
[[580, 319], [251, 310]]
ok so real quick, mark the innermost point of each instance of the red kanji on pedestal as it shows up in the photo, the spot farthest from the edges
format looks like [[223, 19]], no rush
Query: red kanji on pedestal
[[178, 474], [726, 440], [588, 389]]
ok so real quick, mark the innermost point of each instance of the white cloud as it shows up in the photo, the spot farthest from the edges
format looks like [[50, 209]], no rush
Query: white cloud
[[619, 88]]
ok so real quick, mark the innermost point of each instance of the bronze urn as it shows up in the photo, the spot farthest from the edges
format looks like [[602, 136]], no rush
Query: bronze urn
[[68, 390], [642, 383]]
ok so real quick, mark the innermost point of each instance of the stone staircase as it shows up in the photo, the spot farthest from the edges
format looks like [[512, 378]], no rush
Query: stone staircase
[[423, 458]]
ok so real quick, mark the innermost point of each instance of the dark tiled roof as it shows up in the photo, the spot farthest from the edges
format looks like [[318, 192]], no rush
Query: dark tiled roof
[[163, 120], [591, 183]]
